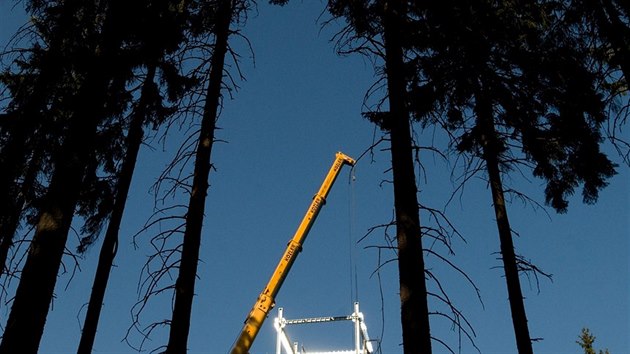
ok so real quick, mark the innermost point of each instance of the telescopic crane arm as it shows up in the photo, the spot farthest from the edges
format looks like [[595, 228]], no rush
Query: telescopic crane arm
[[266, 299]]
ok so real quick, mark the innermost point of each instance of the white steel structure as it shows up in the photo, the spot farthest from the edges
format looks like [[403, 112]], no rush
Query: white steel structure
[[362, 343]]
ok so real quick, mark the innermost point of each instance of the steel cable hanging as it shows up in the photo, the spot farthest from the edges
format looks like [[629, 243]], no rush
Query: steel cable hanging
[[354, 286]]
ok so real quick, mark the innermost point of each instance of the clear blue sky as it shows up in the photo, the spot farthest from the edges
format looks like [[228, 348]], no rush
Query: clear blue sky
[[299, 105]]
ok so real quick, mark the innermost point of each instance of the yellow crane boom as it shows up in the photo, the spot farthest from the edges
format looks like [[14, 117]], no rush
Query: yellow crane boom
[[266, 299]]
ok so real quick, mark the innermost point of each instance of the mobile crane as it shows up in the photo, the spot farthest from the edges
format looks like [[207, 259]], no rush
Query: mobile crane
[[266, 299]]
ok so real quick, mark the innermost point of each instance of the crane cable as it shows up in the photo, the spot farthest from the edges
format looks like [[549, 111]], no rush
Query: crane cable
[[354, 287], [354, 283]]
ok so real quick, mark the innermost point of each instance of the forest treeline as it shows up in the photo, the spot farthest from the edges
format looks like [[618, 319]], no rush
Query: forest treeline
[[536, 86]]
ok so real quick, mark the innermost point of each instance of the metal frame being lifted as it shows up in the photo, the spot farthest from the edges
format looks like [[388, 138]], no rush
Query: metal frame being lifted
[[362, 343]]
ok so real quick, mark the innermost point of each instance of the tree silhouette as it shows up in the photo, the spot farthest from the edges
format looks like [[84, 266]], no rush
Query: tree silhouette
[[516, 85], [604, 28], [388, 19], [151, 49], [499, 78], [185, 284], [586, 340], [26, 320], [605, 22], [87, 97], [110, 240], [508, 79], [413, 289], [203, 55], [31, 85]]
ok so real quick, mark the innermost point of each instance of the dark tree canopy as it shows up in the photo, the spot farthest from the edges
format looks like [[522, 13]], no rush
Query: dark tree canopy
[[515, 85]]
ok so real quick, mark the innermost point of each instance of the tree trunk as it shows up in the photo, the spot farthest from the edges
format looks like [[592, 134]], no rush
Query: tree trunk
[[110, 241], [483, 109], [413, 291], [34, 294], [26, 321], [185, 284], [15, 208], [15, 152]]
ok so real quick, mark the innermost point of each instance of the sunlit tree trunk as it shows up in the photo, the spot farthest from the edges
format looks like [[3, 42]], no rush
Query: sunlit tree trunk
[[413, 290], [483, 110], [185, 284]]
